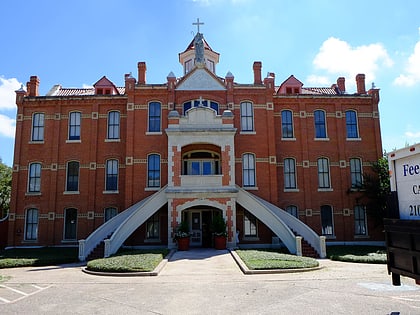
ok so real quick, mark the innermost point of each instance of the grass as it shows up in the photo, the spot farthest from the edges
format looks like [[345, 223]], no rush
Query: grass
[[44, 256], [257, 259], [129, 261], [357, 254]]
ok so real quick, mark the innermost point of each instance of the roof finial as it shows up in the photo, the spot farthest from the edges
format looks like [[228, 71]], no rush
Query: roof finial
[[198, 23]]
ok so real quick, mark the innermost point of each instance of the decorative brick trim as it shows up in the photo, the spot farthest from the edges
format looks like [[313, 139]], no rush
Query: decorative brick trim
[[303, 114], [95, 115], [308, 212], [346, 212]]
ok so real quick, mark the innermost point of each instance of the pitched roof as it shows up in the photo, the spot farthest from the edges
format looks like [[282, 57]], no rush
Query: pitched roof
[[191, 45], [58, 90]]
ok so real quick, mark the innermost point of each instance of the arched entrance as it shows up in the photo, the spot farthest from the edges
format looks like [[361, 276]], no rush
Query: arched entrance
[[199, 220]]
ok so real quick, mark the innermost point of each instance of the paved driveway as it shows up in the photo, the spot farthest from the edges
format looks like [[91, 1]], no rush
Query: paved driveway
[[208, 282]]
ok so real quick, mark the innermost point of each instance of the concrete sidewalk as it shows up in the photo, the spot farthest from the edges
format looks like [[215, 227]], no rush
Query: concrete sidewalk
[[206, 281]]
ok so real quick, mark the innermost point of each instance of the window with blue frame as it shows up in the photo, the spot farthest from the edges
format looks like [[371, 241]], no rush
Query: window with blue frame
[[320, 126], [74, 125], [154, 116], [111, 182], [287, 124], [351, 124], [200, 103], [153, 170], [113, 125]]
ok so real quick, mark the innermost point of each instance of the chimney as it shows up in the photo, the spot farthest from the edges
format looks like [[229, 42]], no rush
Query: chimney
[[33, 86], [360, 82], [142, 72], [257, 72], [341, 82]]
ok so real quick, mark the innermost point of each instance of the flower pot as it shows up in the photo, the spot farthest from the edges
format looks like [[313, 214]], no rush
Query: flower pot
[[219, 242], [183, 243]]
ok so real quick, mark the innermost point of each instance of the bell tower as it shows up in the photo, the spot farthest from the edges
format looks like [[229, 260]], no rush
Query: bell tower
[[198, 53]]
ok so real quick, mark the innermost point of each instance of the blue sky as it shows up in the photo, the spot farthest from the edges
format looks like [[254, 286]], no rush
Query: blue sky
[[75, 43]]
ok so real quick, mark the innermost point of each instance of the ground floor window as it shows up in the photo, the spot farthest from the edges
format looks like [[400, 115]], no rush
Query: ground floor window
[[152, 227], [31, 225], [293, 210], [70, 224], [327, 220], [109, 213], [360, 220], [250, 225]]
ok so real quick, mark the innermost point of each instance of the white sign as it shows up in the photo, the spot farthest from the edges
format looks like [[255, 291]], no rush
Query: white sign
[[407, 173]]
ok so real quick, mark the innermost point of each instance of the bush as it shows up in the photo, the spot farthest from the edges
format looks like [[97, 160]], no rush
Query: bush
[[129, 261], [268, 259], [358, 254]]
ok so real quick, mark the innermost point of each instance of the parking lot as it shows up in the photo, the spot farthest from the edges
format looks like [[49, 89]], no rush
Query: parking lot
[[208, 282]]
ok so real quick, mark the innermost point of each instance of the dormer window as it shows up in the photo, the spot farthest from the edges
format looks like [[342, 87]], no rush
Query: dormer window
[[105, 87], [188, 66]]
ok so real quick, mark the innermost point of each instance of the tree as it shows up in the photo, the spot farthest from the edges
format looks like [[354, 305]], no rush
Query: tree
[[376, 186], [5, 188]]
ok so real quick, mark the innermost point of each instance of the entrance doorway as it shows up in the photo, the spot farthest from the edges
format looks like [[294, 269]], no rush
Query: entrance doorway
[[199, 221]]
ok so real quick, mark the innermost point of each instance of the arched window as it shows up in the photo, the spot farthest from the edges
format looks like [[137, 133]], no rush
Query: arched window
[[351, 124], [327, 220], [31, 224], [109, 213], [38, 127], [360, 226], [34, 183], [247, 116], [323, 173], [293, 210], [113, 125], [356, 173], [72, 183], [74, 125], [153, 170], [286, 124], [111, 180], [248, 170], [70, 224], [154, 116], [320, 125], [289, 173]]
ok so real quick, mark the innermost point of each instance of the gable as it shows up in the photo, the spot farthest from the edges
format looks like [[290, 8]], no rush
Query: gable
[[200, 79]]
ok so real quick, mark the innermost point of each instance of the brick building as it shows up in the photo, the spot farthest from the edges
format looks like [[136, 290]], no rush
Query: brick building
[[125, 165]]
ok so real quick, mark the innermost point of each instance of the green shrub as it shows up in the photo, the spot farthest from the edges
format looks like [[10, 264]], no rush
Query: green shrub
[[358, 254]]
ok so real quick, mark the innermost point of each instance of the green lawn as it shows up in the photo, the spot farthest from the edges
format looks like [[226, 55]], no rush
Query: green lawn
[[257, 259], [45, 256], [129, 261]]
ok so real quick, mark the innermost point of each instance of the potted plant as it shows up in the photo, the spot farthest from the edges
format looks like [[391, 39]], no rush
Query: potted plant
[[182, 236], [219, 232]]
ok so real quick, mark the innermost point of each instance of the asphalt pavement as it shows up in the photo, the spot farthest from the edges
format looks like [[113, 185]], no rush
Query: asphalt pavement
[[207, 281]]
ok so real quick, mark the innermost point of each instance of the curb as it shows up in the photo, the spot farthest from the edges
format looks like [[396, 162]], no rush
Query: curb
[[248, 271], [152, 273]]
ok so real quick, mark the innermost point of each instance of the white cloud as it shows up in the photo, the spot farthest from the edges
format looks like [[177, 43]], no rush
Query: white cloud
[[411, 75], [316, 79], [338, 57], [7, 126], [413, 135], [7, 92]]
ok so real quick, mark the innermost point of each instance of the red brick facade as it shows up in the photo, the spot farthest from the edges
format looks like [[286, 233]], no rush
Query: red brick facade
[[152, 124]]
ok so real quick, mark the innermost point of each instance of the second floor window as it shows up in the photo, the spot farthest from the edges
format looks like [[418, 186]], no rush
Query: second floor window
[[356, 173], [38, 127], [113, 125], [323, 173], [111, 175], [74, 125], [247, 116], [320, 126], [248, 170], [34, 177], [351, 124], [72, 176], [286, 124], [153, 170], [154, 117], [289, 173]]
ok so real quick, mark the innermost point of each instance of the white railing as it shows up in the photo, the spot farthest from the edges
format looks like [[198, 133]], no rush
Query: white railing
[[86, 246], [316, 241], [269, 218], [134, 220]]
